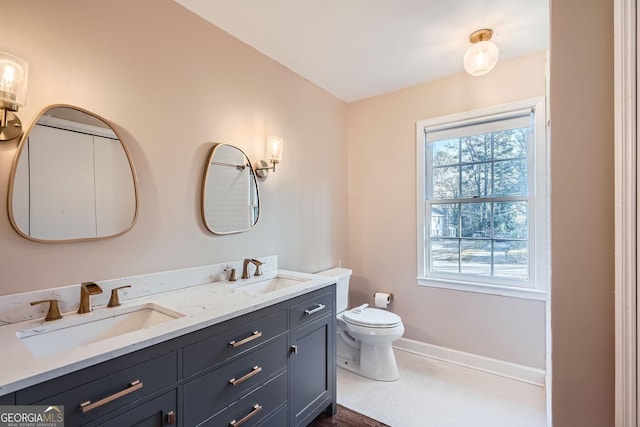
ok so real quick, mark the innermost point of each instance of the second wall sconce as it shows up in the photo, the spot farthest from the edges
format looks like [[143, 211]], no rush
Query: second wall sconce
[[483, 54], [13, 94], [274, 155]]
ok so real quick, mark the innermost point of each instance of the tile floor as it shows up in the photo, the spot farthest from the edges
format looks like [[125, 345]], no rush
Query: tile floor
[[432, 393]]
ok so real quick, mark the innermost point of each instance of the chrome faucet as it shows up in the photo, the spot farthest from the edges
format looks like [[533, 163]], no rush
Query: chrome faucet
[[245, 267], [86, 290]]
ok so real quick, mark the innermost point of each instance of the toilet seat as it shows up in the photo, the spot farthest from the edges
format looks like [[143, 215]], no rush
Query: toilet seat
[[371, 318]]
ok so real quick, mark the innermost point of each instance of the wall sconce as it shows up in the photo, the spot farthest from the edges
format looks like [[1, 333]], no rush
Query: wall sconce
[[274, 154], [13, 94], [482, 56]]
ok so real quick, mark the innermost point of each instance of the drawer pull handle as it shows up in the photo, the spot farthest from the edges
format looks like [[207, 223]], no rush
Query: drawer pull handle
[[320, 307], [254, 371], [256, 408], [253, 336], [88, 406]]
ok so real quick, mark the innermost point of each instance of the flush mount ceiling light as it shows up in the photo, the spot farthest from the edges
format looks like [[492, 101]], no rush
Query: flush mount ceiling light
[[274, 154], [482, 56], [13, 94]]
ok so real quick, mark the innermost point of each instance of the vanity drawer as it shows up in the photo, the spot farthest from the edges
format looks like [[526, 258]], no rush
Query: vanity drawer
[[115, 390], [210, 352], [318, 304], [209, 393], [254, 407]]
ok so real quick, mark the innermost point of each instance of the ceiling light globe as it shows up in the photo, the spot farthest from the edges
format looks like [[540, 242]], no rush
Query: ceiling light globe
[[480, 58]]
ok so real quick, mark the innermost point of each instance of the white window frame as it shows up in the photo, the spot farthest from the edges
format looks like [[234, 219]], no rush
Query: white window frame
[[537, 285]]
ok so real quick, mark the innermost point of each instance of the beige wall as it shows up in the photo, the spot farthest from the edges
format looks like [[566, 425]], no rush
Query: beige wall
[[582, 213], [382, 216], [173, 84]]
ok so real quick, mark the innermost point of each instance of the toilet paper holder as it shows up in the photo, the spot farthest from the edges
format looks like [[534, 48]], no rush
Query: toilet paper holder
[[382, 299], [390, 295]]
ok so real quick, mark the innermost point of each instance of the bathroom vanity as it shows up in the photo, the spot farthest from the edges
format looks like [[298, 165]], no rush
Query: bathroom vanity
[[272, 365]]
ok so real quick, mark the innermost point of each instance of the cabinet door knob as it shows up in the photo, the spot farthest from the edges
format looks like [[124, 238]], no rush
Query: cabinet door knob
[[294, 349]]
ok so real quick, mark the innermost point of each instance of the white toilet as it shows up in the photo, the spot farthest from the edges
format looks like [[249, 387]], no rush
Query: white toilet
[[365, 334]]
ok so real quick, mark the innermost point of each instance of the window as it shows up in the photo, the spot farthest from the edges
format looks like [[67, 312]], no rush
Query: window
[[482, 200]]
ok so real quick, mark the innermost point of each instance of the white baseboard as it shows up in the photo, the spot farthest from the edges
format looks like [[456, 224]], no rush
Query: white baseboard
[[494, 366]]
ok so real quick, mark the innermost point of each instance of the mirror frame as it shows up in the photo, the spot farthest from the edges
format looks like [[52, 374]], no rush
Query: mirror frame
[[14, 167], [207, 166]]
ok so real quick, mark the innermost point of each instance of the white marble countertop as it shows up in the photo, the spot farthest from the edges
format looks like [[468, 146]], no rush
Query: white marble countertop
[[202, 306]]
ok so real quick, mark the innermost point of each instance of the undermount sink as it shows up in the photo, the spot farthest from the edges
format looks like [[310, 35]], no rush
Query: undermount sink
[[84, 329], [271, 285]]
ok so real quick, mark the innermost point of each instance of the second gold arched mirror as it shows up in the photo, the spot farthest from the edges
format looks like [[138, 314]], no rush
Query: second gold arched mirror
[[72, 179], [230, 201]]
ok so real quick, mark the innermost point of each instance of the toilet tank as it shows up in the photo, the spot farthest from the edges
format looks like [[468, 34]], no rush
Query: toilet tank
[[342, 288]]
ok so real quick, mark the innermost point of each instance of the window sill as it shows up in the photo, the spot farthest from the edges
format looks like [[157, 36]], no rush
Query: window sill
[[479, 288]]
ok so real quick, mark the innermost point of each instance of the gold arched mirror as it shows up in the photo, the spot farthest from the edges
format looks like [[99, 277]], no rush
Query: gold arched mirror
[[72, 179], [230, 201]]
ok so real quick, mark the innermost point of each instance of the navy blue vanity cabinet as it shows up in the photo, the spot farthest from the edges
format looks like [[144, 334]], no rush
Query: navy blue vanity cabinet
[[273, 367], [312, 387]]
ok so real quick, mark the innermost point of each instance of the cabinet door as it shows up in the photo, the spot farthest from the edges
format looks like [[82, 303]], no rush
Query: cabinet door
[[159, 412], [312, 375]]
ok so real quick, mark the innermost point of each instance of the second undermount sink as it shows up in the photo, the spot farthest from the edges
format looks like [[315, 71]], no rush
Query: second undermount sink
[[84, 329], [271, 285]]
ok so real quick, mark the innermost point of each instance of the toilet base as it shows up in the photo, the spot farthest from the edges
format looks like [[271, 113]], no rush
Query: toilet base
[[348, 364], [378, 363]]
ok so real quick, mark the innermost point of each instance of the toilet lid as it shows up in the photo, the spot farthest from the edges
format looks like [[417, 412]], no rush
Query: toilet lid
[[371, 317]]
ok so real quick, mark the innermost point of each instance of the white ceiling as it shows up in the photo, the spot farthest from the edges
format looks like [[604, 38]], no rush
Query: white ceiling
[[360, 48]]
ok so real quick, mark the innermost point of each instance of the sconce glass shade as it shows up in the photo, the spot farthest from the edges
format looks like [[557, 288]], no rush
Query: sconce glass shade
[[274, 154], [274, 149], [480, 58], [13, 82]]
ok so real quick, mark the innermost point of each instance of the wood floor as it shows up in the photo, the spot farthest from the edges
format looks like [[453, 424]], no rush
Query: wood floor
[[345, 417]]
